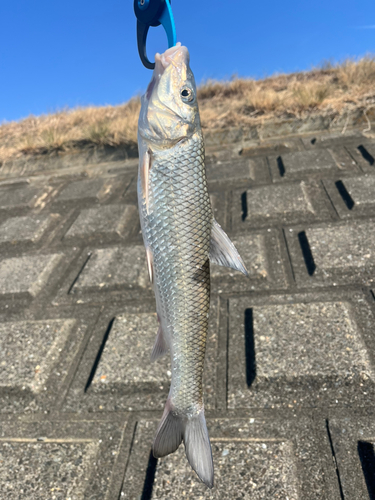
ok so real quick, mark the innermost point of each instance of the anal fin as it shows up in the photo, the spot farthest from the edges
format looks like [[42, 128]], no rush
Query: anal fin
[[160, 347], [150, 264], [223, 252]]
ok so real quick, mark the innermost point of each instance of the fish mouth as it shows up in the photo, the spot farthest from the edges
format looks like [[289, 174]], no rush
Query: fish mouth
[[177, 56], [171, 56]]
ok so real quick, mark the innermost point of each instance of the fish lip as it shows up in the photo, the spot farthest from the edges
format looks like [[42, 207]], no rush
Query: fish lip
[[162, 61]]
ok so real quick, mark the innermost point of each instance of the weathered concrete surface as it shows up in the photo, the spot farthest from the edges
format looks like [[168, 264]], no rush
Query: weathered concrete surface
[[255, 457], [25, 229], [93, 189], [26, 274], [295, 354], [59, 459], [14, 197], [110, 267], [106, 222], [289, 374], [29, 350]]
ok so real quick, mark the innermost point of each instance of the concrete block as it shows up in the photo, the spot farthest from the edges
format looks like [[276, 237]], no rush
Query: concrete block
[[45, 470], [343, 160], [232, 170], [333, 253], [28, 352], [354, 447], [95, 189], [254, 458], [261, 254], [27, 274], [19, 197], [237, 171], [128, 350], [295, 354], [105, 221], [361, 189], [25, 229], [253, 470], [268, 205], [331, 140], [39, 357], [352, 196], [59, 460], [114, 267], [341, 247], [271, 147], [364, 154], [299, 164], [266, 201]]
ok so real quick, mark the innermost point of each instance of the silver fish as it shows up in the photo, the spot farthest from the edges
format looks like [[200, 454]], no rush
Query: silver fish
[[181, 236]]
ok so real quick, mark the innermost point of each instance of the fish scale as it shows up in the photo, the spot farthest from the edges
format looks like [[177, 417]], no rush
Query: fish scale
[[178, 229]]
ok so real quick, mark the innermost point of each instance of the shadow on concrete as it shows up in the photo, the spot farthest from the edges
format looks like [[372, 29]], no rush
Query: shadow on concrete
[[306, 251], [280, 166], [366, 155], [348, 200], [367, 458], [244, 205], [99, 355], [251, 370], [150, 477]]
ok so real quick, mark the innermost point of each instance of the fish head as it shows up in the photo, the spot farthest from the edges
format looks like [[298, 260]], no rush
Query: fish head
[[169, 111]]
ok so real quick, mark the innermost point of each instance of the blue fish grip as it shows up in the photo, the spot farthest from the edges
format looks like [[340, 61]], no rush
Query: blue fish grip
[[153, 13]]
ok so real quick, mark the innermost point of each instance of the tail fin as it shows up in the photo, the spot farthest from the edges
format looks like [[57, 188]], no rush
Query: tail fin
[[169, 433], [198, 448], [175, 428]]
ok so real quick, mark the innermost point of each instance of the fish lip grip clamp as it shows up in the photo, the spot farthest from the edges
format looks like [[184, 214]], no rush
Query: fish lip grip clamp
[[153, 13]]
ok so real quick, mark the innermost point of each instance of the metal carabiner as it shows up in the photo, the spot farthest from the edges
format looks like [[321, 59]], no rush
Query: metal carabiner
[[153, 13]]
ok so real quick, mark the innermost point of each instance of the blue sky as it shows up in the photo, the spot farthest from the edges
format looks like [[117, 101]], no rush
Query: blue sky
[[75, 53]]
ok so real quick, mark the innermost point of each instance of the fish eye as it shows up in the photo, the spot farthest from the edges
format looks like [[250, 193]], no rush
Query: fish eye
[[187, 94]]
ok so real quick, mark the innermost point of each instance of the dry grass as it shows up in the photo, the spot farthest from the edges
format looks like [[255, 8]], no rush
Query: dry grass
[[70, 129], [330, 89]]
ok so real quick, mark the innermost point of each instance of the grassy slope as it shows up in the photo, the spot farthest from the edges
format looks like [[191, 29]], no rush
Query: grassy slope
[[334, 90]]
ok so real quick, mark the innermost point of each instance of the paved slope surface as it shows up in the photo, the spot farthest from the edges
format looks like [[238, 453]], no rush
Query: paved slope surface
[[289, 378]]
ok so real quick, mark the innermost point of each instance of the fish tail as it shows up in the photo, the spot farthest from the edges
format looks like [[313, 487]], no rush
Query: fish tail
[[174, 428], [169, 433], [198, 448]]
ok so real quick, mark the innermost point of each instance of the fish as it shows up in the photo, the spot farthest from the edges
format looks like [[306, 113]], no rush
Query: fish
[[181, 238]]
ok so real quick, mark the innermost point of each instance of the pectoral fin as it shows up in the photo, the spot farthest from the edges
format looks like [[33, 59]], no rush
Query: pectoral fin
[[223, 252], [145, 174]]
